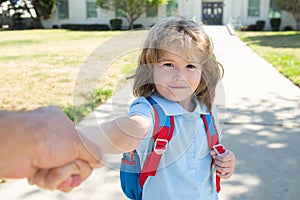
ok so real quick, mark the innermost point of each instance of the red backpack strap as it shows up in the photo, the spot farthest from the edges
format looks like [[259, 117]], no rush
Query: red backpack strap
[[212, 138], [162, 134], [211, 130]]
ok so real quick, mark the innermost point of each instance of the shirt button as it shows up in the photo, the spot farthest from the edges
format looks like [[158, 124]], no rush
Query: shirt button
[[192, 154]]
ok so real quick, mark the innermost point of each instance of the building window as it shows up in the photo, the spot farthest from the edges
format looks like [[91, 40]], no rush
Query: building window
[[91, 9], [151, 11], [63, 9], [172, 7], [253, 8]]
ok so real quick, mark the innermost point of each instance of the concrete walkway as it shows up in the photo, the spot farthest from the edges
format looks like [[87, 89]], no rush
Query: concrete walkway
[[260, 114]]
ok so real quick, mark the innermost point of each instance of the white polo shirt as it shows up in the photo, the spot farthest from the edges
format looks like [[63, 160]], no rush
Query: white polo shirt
[[184, 170]]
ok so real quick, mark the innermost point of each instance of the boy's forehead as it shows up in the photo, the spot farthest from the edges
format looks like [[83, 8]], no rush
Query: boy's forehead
[[191, 54]]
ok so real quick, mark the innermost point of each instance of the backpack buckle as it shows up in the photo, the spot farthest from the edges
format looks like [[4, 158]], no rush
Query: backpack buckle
[[160, 146]]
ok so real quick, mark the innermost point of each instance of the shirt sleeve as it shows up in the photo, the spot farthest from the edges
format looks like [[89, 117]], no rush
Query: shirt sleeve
[[142, 107]]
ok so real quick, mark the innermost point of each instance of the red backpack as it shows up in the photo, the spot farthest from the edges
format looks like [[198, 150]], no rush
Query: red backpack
[[133, 177]]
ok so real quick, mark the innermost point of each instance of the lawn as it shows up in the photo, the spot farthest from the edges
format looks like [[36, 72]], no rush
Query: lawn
[[40, 67], [281, 49]]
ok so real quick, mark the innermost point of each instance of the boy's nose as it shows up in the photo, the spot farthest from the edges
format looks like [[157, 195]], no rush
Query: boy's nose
[[178, 75]]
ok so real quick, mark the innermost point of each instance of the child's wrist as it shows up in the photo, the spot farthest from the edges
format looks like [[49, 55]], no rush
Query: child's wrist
[[91, 148]]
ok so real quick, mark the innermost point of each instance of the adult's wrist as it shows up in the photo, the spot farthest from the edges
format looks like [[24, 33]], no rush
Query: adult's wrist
[[16, 144]]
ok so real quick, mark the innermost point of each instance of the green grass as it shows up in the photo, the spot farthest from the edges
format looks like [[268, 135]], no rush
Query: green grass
[[281, 49], [32, 37], [39, 67], [98, 96]]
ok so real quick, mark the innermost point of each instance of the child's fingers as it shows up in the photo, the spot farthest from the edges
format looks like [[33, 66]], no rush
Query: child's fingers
[[224, 175], [225, 165], [64, 178], [70, 183], [213, 153], [66, 182], [229, 158], [80, 170], [224, 170], [61, 178]]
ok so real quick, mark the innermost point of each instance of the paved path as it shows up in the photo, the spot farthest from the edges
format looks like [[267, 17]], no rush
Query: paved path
[[261, 111]]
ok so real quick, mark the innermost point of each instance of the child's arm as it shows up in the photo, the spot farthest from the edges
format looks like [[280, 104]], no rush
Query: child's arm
[[224, 164], [64, 178], [117, 136]]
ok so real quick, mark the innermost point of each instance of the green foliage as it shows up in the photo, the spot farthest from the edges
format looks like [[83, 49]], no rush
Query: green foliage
[[77, 113], [42, 8], [292, 6], [130, 9], [281, 49], [100, 95], [289, 5], [46, 8]]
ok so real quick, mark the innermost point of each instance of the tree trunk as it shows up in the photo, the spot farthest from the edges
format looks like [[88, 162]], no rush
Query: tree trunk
[[131, 25], [297, 18], [298, 25], [37, 21]]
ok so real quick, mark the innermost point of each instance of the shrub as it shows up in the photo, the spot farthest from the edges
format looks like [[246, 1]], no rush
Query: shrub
[[86, 27], [288, 28], [77, 113]]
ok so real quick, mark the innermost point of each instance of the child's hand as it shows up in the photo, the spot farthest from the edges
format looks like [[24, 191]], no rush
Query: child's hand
[[224, 164], [64, 178]]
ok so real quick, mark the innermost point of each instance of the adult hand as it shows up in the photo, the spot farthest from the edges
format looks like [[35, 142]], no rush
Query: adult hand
[[39, 139]]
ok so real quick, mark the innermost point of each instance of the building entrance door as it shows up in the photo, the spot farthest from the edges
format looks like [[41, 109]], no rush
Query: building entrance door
[[212, 13]]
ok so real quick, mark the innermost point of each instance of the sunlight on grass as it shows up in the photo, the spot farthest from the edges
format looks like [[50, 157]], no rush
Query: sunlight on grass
[[40, 68], [281, 49]]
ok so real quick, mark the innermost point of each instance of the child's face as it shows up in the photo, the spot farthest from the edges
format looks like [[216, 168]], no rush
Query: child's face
[[176, 78]]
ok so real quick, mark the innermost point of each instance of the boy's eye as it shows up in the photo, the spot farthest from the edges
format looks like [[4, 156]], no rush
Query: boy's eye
[[168, 65], [191, 66]]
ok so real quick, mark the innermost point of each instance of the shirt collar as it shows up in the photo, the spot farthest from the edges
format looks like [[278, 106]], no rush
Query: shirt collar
[[172, 108]]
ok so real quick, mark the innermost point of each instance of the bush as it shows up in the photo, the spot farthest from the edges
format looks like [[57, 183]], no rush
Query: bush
[[260, 25], [77, 113], [275, 24], [86, 27], [116, 24], [288, 28], [137, 26]]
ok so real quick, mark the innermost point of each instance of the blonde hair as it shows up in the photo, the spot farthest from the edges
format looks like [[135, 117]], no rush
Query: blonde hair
[[185, 36]]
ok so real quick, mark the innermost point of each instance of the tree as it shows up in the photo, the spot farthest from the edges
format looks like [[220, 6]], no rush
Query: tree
[[43, 9], [130, 9], [292, 6], [37, 9]]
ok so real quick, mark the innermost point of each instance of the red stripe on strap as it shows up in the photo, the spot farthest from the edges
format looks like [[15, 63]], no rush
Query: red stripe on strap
[[212, 140], [152, 162]]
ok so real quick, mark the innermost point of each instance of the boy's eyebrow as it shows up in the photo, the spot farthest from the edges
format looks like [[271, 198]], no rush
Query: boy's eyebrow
[[196, 63], [165, 59]]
